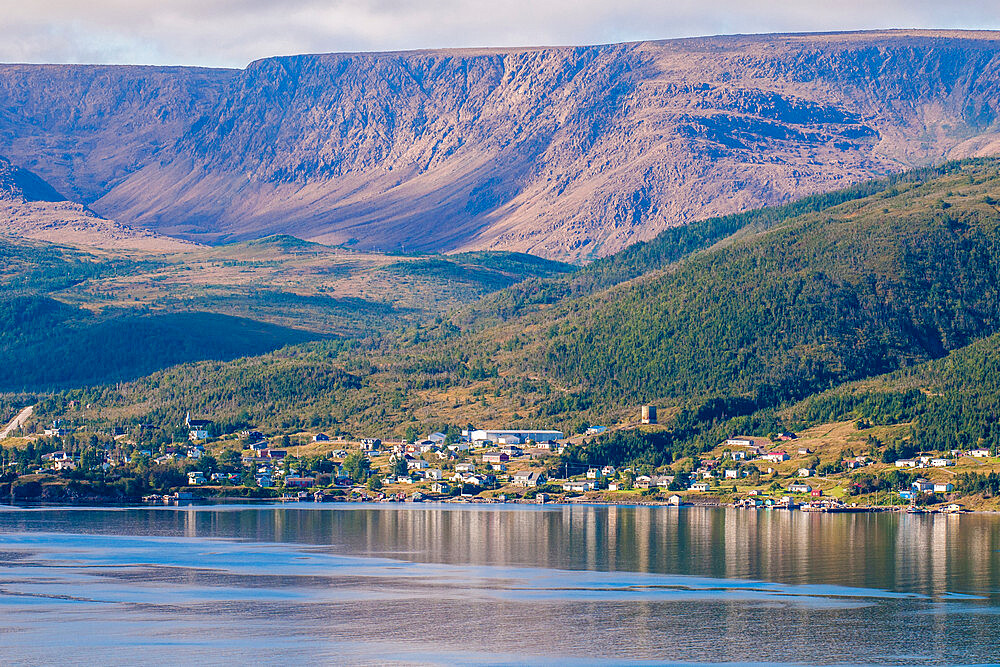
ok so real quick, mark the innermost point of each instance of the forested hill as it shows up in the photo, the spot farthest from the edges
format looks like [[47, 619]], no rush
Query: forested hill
[[71, 318], [790, 304], [868, 286]]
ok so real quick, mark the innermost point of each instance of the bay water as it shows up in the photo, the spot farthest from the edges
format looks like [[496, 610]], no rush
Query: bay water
[[495, 584]]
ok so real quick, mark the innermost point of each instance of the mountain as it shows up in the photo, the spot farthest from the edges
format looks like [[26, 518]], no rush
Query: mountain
[[31, 208], [747, 320], [562, 152], [85, 128]]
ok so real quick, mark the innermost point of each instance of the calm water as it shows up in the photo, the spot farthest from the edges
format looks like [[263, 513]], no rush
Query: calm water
[[495, 584]]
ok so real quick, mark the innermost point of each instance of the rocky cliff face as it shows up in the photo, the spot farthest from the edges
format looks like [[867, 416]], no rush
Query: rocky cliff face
[[563, 152], [86, 128], [31, 208]]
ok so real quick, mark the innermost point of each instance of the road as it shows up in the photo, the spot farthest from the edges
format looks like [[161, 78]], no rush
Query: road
[[17, 421]]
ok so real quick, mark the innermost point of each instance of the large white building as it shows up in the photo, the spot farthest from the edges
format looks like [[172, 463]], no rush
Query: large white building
[[513, 437]]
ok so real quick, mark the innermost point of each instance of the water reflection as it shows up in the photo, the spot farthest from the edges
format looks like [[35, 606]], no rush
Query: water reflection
[[446, 583], [926, 554]]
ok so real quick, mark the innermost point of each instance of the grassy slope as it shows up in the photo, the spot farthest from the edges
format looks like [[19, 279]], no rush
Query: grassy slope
[[74, 317], [843, 288]]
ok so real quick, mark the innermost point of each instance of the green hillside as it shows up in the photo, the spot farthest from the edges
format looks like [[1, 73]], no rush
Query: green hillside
[[732, 322], [72, 317], [853, 291]]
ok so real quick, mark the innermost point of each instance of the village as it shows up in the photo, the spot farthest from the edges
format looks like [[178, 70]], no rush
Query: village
[[782, 471]]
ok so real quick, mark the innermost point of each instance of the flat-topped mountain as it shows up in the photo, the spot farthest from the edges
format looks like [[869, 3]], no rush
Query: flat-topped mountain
[[562, 152]]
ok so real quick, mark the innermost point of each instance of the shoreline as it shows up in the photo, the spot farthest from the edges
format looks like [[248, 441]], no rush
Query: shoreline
[[237, 501]]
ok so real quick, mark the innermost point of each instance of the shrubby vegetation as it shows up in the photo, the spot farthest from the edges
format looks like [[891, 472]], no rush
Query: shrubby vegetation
[[757, 334]]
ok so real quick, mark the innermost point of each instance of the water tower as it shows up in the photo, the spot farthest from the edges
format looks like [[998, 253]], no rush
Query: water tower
[[649, 414]]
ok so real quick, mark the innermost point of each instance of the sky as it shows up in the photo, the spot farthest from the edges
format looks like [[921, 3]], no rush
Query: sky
[[232, 33]]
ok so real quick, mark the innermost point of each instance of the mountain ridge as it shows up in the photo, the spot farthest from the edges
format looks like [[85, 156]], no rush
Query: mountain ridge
[[571, 152]]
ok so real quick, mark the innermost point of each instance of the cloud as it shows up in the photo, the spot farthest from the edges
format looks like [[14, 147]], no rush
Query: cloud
[[234, 32]]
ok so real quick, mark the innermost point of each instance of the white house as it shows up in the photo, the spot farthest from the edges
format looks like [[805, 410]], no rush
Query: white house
[[805, 472], [521, 435], [594, 473], [943, 487], [906, 463], [979, 453], [700, 486], [942, 463], [923, 486], [662, 481], [528, 478], [195, 478], [197, 428], [434, 474], [799, 488], [775, 457], [579, 487]]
